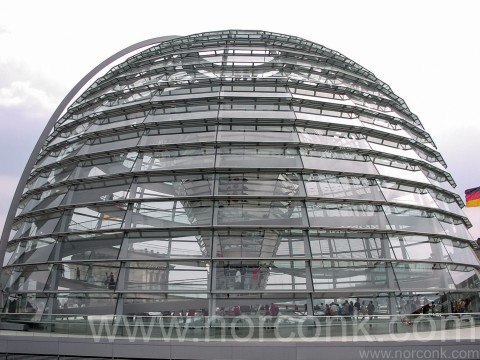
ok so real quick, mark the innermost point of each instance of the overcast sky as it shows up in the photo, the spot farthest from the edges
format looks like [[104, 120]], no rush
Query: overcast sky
[[427, 51]]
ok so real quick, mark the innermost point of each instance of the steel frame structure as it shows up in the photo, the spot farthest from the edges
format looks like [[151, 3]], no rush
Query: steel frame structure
[[234, 168]]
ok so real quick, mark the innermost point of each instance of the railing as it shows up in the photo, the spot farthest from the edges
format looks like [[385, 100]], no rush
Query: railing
[[246, 327]]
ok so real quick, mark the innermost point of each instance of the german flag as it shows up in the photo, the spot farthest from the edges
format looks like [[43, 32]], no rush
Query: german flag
[[472, 196]]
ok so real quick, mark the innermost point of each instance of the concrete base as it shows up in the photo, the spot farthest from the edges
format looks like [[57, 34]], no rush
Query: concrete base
[[466, 346], [13, 326]]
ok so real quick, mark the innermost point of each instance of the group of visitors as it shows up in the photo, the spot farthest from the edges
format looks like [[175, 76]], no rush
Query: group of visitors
[[248, 278], [461, 306], [349, 310], [109, 281]]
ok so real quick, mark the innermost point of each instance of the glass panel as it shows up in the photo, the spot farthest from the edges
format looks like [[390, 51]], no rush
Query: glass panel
[[96, 217], [422, 276], [339, 162], [54, 176], [422, 302], [114, 164], [346, 215], [257, 157], [453, 226], [259, 307], [254, 114], [84, 276], [181, 135], [178, 159], [334, 186], [260, 243], [406, 194], [26, 307], [7, 259], [32, 251], [199, 115], [460, 252], [352, 275], [117, 121], [167, 276], [403, 151], [460, 302], [172, 213], [332, 138], [152, 186], [417, 248], [168, 244], [331, 244], [284, 275], [29, 278], [72, 132], [257, 133], [88, 247], [111, 142], [328, 119], [251, 212], [412, 220], [344, 303], [85, 303], [153, 304], [44, 200], [105, 190], [441, 183], [464, 277], [446, 202], [39, 225], [59, 154], [260, 184], [257, 136], [254, 275], [406, 174]]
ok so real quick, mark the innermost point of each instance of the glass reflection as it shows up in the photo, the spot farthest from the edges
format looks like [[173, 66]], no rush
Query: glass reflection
[[257, 157], [417, 248], [169, 276], [104, 190], [159, 245], [348, 245], [453, 226], [334, 186], [460, 251], [35, 226], [464, 277], [32, 251], [71, 276], [259, 212], [346, 215], [352, 275], [254, 275], [422, 276], [114, 164], [165, 186], [412, 219], [96, 217], [164, 214], [88, 246], [260, 184], [29, 278], [259, 243], [177, 159], [44, 200]]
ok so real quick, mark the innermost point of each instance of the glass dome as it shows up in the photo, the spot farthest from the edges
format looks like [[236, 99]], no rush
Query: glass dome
[[235, 169]]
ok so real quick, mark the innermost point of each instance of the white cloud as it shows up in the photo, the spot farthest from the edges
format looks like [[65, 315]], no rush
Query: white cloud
[[23, 94], [8, 185], [426, 51]]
